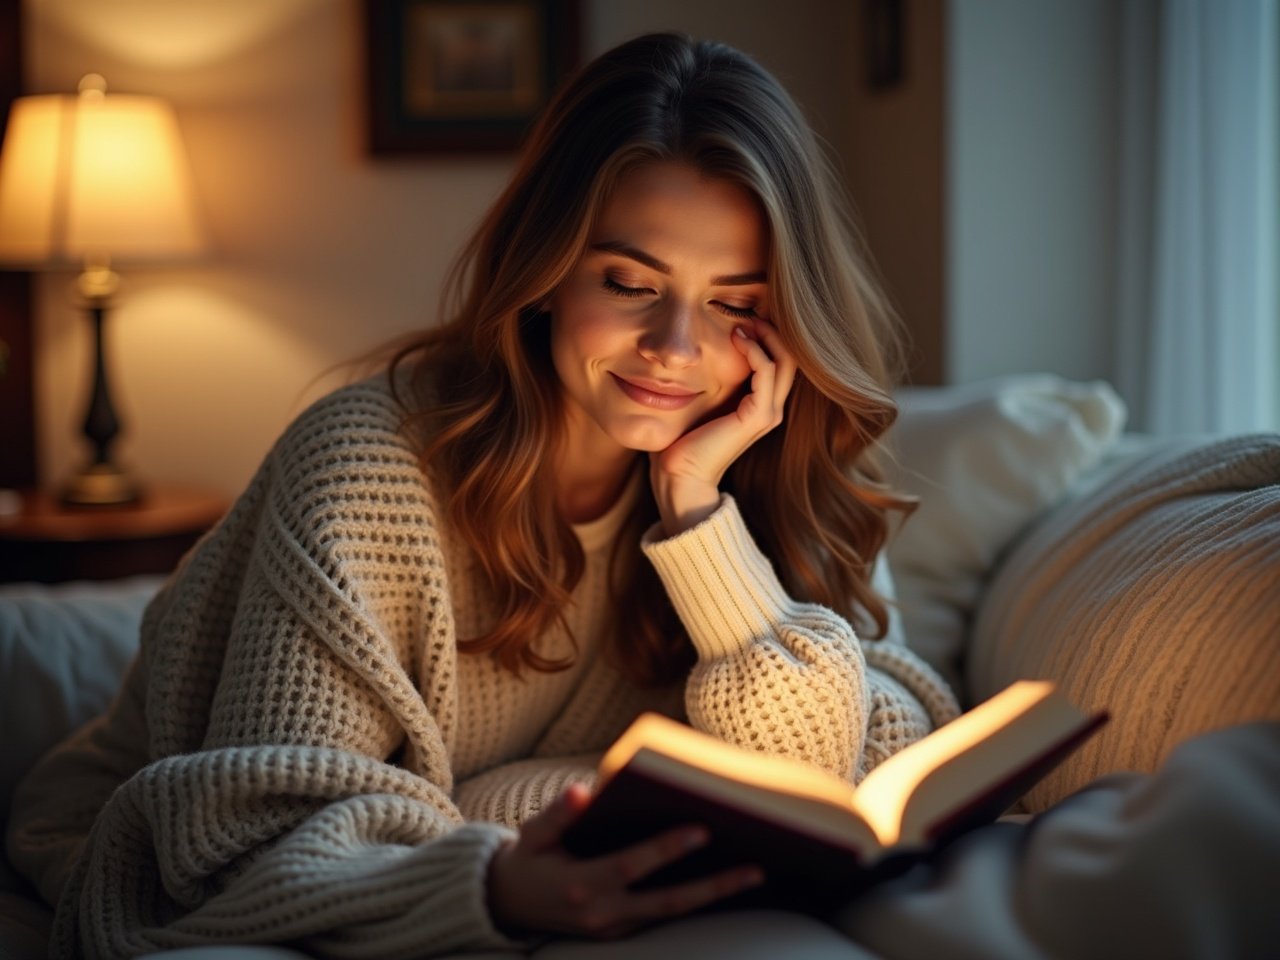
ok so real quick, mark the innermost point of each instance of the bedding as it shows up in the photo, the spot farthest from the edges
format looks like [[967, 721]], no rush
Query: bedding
[[1178, 865]]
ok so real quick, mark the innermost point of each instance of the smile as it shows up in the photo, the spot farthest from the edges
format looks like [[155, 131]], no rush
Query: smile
[[664, 398]]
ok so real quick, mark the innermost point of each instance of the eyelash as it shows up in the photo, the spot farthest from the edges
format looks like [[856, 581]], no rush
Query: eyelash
[[742, 313], [619, 290]]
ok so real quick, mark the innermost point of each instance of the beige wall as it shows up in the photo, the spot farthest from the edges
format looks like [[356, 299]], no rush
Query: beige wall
[[318, 253], [896, 172]]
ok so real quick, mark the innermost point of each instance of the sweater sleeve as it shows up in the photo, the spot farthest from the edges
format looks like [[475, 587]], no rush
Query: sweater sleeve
[[303, 648], [513, 792], [781, 676]]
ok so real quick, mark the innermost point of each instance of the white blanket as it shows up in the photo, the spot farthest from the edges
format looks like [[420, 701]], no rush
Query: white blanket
[[1178, 864]]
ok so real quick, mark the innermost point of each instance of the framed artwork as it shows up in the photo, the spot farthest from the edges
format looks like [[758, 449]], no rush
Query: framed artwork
[[463, 76]]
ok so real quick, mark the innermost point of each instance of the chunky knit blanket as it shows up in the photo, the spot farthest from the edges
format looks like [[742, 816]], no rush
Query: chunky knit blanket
[[300, 753]]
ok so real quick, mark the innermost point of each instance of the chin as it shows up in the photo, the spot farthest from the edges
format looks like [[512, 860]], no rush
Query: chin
[[647, 437]]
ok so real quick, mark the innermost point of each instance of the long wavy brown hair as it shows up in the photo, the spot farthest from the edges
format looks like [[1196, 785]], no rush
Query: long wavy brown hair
[[488, 399]]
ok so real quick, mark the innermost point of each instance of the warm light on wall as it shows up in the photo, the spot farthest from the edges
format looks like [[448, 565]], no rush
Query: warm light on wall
[[167, 36], [94, 180]]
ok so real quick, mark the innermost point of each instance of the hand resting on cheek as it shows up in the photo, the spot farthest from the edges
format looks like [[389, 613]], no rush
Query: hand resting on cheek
[[686, 475]]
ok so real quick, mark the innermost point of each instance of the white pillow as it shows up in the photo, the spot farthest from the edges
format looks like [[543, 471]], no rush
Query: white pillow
[[985, 459]]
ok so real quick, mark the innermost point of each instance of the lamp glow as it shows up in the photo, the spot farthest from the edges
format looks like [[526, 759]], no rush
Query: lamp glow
[[95, 179]]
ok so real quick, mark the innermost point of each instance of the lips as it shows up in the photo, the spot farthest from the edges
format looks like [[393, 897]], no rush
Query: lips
[[656, 396]]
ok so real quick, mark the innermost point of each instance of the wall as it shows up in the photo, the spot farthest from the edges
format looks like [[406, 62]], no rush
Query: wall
[[318, 253], [896, 173], [986, 185], [1031, 186]]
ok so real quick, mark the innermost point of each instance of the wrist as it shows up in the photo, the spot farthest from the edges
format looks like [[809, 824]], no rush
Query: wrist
[[724, 590], [684, 503], [496, 884]]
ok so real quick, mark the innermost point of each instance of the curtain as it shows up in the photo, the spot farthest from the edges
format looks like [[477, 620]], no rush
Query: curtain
[[1198, 311]]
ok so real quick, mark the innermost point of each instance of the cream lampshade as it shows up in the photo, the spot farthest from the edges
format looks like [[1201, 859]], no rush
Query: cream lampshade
[[94, 180]]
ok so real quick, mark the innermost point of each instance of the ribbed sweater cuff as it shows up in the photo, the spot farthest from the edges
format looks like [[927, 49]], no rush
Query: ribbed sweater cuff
[[466, 907], [722, 586]]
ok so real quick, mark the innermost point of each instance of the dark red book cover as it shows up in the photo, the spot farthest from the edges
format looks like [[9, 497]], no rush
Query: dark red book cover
[[803, 871]]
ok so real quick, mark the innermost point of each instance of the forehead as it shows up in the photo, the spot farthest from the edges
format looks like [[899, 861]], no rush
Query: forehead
[[671, 210]]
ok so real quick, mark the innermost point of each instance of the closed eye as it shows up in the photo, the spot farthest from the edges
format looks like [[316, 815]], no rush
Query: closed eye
[[742, 313], [618, 290], [622, 290]]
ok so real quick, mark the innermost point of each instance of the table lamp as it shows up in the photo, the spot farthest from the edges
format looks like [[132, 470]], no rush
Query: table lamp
[[94, 180]]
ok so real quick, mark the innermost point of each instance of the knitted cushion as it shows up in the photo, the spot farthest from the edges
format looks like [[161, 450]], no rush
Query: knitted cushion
[[1154, 595]]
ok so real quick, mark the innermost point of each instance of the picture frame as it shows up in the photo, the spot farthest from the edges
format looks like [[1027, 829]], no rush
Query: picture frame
[[463, 76]]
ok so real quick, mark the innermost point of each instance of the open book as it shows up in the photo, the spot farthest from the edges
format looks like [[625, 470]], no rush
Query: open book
[[817, 837]]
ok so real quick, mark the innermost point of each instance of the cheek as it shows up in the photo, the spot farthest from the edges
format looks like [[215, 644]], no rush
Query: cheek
[[732, 368], [583, 329]]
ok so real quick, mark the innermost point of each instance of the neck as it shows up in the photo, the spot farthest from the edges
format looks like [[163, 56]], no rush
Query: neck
[[591, 473]]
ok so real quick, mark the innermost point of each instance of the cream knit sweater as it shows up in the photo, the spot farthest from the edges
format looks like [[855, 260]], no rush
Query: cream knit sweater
[[299, 753]]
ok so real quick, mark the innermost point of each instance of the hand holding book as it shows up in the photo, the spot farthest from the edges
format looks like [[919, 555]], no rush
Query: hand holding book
[[819, 838], [534, 885]]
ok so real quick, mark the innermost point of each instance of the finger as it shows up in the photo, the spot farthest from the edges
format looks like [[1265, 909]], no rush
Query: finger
[[683, 898], [545, 829], [576, 797], [760, 403], [761, 364], [784, 362], [639, 860]]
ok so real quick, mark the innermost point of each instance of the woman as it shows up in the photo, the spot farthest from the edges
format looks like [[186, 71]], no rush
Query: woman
[[370, 701]]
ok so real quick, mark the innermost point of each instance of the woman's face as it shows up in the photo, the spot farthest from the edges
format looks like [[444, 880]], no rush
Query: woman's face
[[640, 330]]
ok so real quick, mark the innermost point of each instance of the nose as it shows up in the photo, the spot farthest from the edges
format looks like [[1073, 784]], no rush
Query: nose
[[671, 338]]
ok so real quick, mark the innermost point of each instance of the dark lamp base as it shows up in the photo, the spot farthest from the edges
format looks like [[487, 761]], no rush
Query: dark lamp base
[[100, 484]]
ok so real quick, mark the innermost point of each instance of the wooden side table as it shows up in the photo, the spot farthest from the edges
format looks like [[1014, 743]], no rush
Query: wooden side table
[[49, 542]]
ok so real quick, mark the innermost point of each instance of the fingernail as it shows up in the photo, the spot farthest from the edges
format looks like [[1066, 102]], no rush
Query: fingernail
[[742, 332]]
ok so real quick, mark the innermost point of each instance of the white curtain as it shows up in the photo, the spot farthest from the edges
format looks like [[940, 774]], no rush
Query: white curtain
[[1199, 211]]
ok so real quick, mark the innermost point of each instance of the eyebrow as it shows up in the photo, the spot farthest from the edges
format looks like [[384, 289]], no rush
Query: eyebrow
[[649, 260]]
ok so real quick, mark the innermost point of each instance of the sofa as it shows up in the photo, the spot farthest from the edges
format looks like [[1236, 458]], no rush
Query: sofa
[[1141, 575]]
